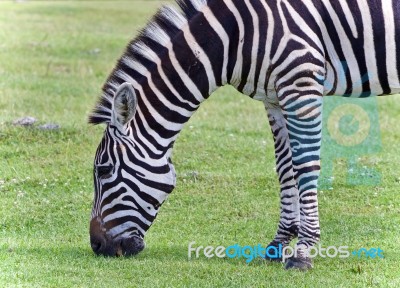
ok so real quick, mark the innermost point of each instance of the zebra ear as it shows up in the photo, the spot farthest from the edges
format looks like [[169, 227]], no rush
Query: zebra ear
[[124, 105]]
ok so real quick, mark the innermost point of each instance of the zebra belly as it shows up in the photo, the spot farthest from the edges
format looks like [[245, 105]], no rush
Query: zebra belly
[[269, 97], [341, 83]]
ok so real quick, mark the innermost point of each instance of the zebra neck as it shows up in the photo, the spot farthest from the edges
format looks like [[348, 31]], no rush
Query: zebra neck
[[174, 75]]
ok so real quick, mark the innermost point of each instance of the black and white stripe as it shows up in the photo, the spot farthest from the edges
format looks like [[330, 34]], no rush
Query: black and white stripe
[[285, 53]]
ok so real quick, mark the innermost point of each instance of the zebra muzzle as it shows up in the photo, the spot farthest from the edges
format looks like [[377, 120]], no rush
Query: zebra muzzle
[[104, 245]]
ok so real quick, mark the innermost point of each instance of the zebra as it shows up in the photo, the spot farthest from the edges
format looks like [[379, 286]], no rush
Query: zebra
[[286, 54]]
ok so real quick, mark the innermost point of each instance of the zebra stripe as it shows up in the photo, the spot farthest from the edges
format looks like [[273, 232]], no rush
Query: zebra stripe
[[287, 54]]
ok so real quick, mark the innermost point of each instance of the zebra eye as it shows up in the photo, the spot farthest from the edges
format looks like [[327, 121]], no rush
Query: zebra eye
[[104, 172]]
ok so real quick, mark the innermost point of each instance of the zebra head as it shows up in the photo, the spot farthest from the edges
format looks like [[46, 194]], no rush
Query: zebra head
[[130, 181]]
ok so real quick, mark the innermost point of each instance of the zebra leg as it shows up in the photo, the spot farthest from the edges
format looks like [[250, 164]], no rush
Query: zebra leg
[[289, 216], [302, 111]]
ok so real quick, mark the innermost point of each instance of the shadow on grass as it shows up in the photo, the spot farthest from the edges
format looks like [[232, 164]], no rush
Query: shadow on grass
[[80, 254]]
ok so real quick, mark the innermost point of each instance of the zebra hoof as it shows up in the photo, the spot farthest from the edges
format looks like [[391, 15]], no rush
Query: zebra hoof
[[273, 252], [300, 263]]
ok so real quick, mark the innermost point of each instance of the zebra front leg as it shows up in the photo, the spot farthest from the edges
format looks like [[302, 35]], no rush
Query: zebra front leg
[[303, 115], [289, 196]]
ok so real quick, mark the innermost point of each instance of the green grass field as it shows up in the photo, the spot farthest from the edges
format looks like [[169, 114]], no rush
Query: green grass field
[[54, 58]]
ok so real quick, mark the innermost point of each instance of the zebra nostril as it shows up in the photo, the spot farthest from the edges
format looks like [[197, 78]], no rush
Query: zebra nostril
[[98, 240], [96, 246]]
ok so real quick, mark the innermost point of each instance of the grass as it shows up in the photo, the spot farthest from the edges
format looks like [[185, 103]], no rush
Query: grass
[[54, 58]]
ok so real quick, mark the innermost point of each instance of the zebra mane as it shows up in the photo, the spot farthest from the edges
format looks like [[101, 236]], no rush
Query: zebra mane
[[163, 26]]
